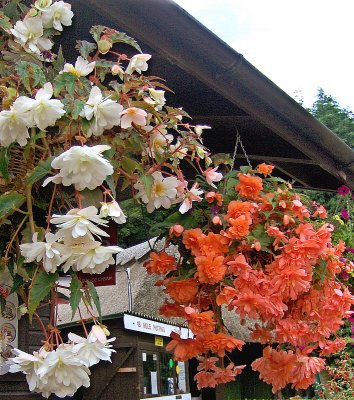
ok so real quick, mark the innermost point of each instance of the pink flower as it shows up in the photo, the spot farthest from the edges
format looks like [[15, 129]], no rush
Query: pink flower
[[191, 195], [212, 176], [343, 190], [344, 213], [133, 115]]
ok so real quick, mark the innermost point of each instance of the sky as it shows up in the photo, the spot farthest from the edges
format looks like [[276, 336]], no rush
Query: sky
[[301, 45]]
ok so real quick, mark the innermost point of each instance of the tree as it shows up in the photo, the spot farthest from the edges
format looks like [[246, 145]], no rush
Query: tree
[[340, 120]]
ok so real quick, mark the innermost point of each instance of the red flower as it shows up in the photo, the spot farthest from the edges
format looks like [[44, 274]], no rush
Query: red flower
[[343, 190]]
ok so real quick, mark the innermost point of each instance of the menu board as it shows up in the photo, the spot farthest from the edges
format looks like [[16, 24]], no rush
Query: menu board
[[8, 316]]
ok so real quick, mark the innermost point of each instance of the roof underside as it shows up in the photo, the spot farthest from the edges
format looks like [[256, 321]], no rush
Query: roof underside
[[218, 87]]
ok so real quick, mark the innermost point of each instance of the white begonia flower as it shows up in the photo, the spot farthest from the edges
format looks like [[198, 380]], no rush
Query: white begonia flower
[[191, 195], [81, 166], [27, 364], [62, 372], [80, 222], [42, 5], [113, 210], [56, 15], [94, 348], [82, 67], [14, 124], [105, 112], [28, 33], [51, 252], [138, 63], [43, 110], [178, 151], [159, 141], [133, 115], [158, 98], [198, 129], [91, 257], [163, 192]]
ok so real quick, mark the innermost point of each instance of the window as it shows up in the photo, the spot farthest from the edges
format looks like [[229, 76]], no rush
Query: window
[[162, 376]]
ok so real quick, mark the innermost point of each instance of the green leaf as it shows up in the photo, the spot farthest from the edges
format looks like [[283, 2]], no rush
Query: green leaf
[[91, 197], [96, 31], [17, 283], [40, 171], [78, 106], [9, 201], [147, 181], [245, 169], [40, 289], [65, 81], [121, 37], [11, 11], [85, 48], [129, 165], [4, 162], [30, 74], [5, 23], [111, 185], [59, 62], [104, 64], [95, 298], [75, 294]]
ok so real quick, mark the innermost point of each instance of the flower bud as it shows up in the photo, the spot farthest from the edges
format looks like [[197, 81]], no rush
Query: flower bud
[[104, 45]]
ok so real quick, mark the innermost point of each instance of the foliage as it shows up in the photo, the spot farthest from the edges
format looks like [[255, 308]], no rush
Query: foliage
[[340, 120]]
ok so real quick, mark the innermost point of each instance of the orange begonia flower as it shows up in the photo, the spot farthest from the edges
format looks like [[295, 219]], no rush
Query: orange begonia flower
[[200, 323], [239, 227], [172, 310], [183, 291], [191, 238], [265, 169], [183, 349], [226, 295], [238, 208], [213, 244], [275, 367], [160, 263], [220, 342], [249, 186], [211, 270]]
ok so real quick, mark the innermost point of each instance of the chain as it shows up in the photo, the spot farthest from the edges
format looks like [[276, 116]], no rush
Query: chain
[[239, 142]]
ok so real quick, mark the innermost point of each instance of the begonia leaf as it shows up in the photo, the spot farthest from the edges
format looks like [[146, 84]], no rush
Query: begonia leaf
[[40, 290], [96, 31], [40, 171], [75, 294], [95, 298], [65, 81], [4, 163], [121, 37], [31, 74], [85, 47], [9, 202]]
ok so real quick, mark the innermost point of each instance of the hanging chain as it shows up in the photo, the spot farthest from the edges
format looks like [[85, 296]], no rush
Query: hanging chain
[[239, 142]]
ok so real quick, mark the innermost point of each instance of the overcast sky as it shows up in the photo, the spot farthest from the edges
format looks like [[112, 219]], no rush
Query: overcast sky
[[300, 45]]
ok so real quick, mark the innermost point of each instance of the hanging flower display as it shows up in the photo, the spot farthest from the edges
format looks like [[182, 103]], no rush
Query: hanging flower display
[[70, 136]]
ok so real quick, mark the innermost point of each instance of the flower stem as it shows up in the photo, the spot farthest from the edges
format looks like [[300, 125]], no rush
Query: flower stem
[[30, 208]]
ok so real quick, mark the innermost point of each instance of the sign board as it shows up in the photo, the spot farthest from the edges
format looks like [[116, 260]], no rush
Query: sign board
[[154, 328], [184, 396], [158, 341], [107, 278], [8, 316]]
